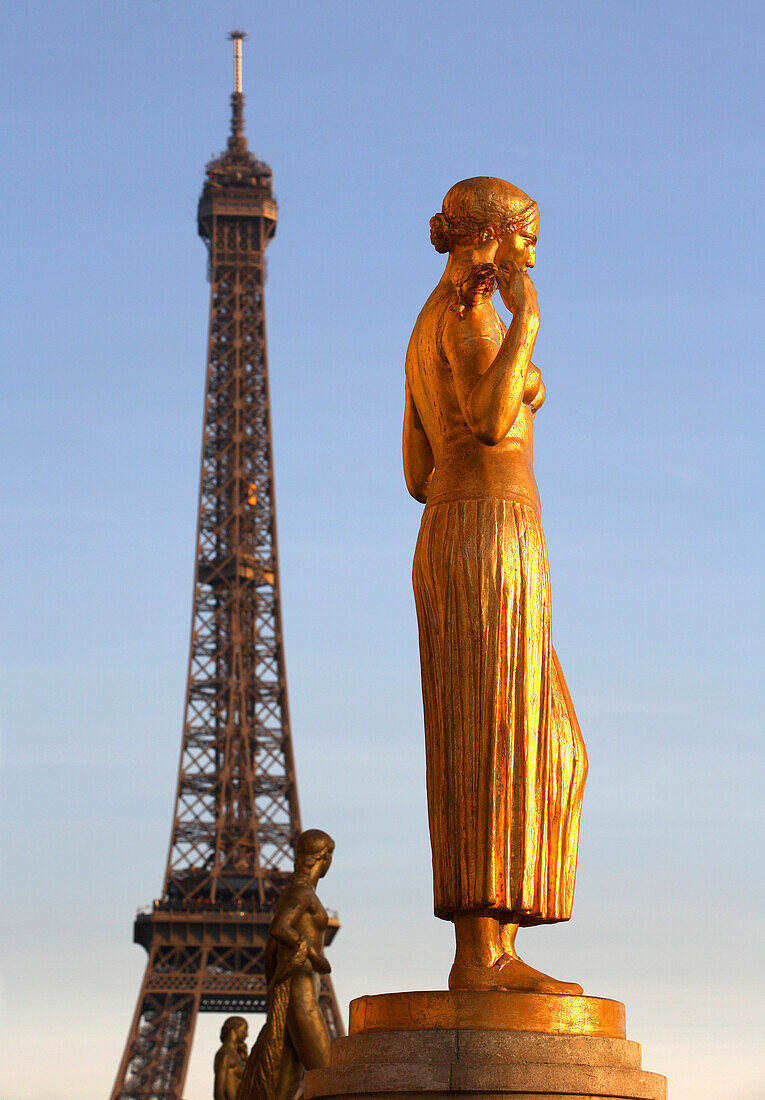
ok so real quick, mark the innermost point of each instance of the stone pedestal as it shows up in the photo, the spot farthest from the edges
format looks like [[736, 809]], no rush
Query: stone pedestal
[[485, 1045]]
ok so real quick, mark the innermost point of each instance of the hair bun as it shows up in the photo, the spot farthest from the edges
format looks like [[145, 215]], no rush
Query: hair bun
[[440, 233]]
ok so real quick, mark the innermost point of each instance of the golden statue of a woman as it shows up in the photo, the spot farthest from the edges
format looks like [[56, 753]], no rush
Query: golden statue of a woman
[[506, 763]]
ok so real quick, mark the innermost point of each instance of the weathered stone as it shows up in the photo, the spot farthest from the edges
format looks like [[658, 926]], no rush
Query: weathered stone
[[439, 1063], [486, 1048]]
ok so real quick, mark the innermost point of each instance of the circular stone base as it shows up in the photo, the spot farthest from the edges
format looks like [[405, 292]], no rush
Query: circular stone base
[[437, 1064], [494, 1010]]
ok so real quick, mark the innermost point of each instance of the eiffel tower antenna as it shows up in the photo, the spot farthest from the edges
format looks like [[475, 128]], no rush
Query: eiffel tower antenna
[[236, 815], [238, 38]]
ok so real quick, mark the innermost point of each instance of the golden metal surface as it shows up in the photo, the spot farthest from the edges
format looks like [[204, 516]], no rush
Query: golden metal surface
[[294, 1035], [496, 1010], [230, 1060], [506, 763]]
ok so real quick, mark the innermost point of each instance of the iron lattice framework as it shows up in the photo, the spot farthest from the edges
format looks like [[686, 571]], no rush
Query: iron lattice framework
[[236, 811]]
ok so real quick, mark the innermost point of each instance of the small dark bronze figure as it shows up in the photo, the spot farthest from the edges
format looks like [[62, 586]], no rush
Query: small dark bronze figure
[[294, 1036], [230, 1059]]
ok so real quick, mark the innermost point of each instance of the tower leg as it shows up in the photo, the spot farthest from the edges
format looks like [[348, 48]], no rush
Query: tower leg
[[158, 1048], [224, 974]]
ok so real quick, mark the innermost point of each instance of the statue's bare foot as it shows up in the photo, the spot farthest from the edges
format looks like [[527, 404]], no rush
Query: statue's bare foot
[[473, 976], [522, 978]]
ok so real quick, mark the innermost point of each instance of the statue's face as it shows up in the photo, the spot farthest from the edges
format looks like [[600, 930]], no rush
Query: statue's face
[[519, 246], [241, 1032], [326, 860]]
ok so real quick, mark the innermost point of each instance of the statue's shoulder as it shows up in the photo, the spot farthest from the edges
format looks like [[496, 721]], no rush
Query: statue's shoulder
[[432, 312], [296, 893]]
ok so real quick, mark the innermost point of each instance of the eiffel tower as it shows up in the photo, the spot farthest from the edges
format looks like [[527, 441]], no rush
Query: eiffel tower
[[236, 809]]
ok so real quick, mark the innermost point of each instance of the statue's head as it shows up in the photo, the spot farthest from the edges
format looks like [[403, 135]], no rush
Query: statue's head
[[314, 846], [484, 210], [234, 1025]]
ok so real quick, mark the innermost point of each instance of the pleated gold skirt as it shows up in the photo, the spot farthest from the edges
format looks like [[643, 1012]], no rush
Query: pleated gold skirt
[[506, 763]]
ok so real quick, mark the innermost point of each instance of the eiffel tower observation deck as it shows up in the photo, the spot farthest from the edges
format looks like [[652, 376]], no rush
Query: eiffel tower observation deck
[[236, 815]]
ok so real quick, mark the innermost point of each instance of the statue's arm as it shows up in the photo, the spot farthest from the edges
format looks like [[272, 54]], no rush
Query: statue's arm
[[418, 455], [221, 1075], [490, 381], [291, 906], [284, 927]]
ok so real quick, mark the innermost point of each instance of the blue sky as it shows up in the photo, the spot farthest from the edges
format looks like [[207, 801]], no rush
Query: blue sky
[[635, 127]]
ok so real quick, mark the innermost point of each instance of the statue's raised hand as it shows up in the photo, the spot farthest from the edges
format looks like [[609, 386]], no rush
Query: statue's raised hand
[[516, 289]]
